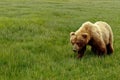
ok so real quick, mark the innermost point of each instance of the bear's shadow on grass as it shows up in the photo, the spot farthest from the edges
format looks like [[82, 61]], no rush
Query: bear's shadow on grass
[[88, 54]]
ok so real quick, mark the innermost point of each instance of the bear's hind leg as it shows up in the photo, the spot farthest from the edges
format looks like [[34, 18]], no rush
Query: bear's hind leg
[[101, 49], [110, 49]]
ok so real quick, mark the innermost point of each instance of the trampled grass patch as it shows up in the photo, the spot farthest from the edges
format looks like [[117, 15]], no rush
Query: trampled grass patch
[[34, 40]]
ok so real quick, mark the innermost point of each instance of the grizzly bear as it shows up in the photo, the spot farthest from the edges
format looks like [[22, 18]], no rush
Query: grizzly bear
[[98, 35]]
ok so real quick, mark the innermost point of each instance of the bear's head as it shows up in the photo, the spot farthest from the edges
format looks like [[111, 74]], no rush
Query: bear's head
[[78, 41]]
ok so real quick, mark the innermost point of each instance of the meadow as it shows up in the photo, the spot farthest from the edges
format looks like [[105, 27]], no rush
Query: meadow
[[34, 40]]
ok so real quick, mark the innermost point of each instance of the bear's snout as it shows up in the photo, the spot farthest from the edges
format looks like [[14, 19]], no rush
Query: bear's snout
[[75, 48]]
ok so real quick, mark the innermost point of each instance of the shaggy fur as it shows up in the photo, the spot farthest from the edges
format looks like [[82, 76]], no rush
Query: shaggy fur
[[98, 35]]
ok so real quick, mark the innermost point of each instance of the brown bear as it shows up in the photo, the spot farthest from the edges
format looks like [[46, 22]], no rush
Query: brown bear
[[98, 35]]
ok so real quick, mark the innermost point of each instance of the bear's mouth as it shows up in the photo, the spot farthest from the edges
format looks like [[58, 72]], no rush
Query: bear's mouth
[[75, 51]]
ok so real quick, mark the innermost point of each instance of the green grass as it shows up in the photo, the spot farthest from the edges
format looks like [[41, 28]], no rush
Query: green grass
[[34, 40]]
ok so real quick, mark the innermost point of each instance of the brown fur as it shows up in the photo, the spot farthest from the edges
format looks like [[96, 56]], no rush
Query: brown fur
[[98, 35]]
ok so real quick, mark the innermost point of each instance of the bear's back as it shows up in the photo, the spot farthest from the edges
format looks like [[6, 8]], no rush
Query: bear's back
[[105, 30]]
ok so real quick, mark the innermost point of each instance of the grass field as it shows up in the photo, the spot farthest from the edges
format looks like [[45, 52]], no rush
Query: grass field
[[34, 40]]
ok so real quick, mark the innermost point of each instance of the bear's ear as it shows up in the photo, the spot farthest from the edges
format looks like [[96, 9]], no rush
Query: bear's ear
[[72, 33], [84, 35]]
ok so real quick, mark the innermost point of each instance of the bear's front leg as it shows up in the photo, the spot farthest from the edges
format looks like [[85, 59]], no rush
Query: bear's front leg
[[93, 49], [81, 52], [80, 55]]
